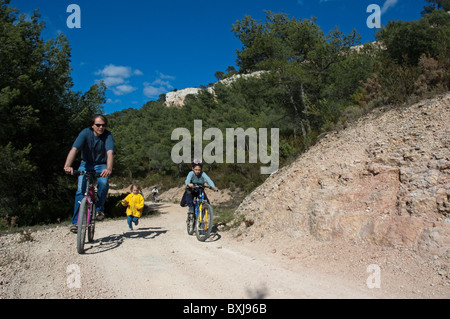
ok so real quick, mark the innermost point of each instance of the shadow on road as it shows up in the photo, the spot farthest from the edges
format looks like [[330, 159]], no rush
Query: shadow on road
[[155, 207], [214, 236], [147, 233], [257, 292], [110, 242]]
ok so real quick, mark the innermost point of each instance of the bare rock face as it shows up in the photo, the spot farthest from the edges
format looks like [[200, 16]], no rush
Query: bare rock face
[[385, 180], [177, 98]]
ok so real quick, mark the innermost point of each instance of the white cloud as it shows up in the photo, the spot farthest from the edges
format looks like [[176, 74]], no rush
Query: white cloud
[[117, 78], [152, 91], [115, 71], [123, 89], [162, 83], [387, 5], [111, 101], [113, 81], [159, 86], [166, 77]]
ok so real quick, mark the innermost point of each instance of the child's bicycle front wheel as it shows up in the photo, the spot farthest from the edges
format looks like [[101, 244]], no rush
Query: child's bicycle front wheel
[[204, 222], [190, 223]]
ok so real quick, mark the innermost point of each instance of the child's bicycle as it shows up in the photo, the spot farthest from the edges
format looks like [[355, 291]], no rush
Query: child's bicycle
[[201, 220], [86, 213]]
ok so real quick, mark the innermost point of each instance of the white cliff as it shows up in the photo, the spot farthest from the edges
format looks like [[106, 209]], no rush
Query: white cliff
[[177, 98]]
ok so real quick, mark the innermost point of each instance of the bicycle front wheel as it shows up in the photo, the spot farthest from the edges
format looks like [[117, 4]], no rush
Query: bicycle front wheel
[[204, 222], [190, 224], [82, 223], [91, 227]]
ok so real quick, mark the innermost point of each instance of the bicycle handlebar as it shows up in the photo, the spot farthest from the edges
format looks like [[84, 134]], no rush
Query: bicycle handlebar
[[202, 186], [93, 173]]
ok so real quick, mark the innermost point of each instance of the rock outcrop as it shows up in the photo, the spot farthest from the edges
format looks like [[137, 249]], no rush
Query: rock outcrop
[[177, 98], [385, 180]]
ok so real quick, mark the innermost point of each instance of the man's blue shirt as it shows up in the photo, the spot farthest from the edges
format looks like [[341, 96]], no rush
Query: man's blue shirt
[[94, 148]]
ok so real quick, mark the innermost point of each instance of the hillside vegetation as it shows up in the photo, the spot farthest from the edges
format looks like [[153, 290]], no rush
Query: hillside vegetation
[[316, 83]]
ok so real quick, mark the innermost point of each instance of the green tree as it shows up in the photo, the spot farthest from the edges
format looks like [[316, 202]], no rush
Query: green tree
[[279, 38], [436, 5], [300, 58], [406, 42], [40, 116], [219, 75], [414, 61]]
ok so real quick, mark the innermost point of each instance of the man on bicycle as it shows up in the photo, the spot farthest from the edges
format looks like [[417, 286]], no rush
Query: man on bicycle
[[97, 154]]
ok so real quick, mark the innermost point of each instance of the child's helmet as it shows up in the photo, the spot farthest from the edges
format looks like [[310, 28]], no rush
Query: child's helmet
[[196, 162]]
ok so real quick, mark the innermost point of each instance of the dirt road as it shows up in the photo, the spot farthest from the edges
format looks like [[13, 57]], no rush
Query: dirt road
[[159, 260]]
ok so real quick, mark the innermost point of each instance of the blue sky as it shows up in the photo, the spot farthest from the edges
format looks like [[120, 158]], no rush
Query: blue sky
[[142, 49]]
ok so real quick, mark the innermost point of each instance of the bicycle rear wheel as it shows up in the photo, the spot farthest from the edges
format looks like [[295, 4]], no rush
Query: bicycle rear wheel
[[91, 227], [204, 222], [82, 222]]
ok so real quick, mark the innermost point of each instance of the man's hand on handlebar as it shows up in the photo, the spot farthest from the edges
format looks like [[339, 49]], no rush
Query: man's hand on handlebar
[[106, 172]]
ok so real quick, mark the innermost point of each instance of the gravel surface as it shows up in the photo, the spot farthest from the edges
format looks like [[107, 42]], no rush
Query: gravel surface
[[157, 260]]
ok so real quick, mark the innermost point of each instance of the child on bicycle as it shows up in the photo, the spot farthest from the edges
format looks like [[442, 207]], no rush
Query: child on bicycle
[[135, 205], [196, 177]]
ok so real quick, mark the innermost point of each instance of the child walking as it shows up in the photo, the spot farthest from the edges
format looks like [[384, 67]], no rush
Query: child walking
[[135, 205]]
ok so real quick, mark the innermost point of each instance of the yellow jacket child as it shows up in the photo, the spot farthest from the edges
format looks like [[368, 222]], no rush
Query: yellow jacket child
[[135, 205]]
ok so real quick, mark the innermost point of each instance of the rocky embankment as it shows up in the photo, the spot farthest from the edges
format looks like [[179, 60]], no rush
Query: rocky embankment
[[384, 181]]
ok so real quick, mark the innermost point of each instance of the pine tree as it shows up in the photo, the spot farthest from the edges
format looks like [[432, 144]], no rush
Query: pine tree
[[436, 5]]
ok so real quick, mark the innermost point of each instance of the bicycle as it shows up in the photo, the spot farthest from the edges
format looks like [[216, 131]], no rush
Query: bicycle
[[86, 213], [201, 220]]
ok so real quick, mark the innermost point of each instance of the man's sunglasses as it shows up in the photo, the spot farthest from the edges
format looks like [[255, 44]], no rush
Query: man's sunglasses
[[100, 125]]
